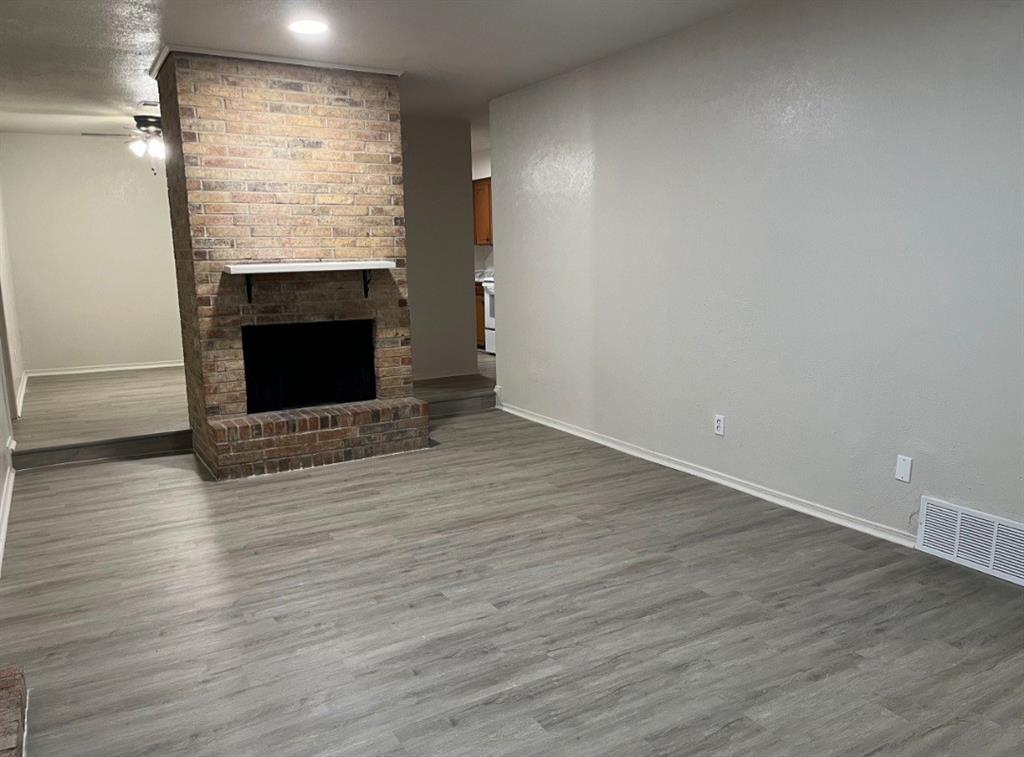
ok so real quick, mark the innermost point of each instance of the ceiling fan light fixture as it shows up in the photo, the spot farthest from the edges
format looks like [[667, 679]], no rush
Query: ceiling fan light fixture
[[148, 124], [138, 147], [156, 148]]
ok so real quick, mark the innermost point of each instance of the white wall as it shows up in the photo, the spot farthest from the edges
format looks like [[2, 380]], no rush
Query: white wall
[[10, 334], [89, 238], [481, 164], [803, 215], [483, 257], [6, 464], [439, 240]]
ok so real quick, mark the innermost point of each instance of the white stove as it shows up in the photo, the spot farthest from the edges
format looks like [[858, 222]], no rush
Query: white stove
[[489, 343]]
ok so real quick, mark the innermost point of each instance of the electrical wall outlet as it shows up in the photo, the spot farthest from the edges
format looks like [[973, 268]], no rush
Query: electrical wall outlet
[[720, 425], [903, 465]]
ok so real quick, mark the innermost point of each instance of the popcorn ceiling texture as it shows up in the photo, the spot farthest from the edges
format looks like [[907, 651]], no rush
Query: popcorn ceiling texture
[[276, 162]]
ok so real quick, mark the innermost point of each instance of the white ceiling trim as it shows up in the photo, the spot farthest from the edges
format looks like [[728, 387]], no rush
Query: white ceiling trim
[[168, 49]]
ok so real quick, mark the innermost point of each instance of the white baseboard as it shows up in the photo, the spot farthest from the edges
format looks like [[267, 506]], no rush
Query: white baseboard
[[6, 495], [24, 726], [103, 368], [19, 397], [799, 504]]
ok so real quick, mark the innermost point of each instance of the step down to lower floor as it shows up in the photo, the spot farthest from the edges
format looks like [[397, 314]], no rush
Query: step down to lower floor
[[446, 407], [147, 445], [175, 442]]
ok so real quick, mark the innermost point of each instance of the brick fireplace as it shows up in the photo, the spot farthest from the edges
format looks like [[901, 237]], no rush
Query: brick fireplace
[[270, 163]]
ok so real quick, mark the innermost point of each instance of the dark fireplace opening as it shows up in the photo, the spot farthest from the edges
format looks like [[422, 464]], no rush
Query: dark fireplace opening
[[293, 365]]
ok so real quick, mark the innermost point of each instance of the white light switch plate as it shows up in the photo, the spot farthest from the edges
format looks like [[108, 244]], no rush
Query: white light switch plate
[[903, 465]]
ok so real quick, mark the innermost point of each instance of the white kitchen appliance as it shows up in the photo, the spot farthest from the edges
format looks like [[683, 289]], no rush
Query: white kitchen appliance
[[488, 286]]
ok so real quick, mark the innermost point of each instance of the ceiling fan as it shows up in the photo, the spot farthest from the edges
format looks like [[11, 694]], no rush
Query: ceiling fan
[[145, 137]]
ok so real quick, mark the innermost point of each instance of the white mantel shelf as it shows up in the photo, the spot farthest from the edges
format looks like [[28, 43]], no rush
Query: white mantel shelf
[[297, 266]]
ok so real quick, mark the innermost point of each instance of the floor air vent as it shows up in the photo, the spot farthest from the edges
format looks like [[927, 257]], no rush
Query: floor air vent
[[975, 539]]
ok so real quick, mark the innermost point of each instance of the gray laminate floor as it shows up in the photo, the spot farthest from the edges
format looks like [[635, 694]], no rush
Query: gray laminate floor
[[93, 407], [485, 363], [512, 591], [451, 387]]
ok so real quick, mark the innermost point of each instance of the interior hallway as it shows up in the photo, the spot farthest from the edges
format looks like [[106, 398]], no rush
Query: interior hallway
[[511, 591]]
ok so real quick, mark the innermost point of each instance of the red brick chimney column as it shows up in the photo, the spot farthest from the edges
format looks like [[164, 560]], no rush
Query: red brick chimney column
[[269, 162]]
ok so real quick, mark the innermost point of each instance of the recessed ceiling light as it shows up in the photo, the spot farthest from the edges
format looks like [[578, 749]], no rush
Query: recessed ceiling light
[[308, 26]]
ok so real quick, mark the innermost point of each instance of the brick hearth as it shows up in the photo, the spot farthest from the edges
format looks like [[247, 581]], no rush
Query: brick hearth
[[12, 711], [271, 162]]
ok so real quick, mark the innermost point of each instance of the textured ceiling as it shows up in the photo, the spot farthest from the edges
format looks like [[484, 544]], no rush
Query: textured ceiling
[[81, 65]]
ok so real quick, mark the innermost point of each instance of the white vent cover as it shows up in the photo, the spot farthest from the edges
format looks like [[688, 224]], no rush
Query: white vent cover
[[978, 540]]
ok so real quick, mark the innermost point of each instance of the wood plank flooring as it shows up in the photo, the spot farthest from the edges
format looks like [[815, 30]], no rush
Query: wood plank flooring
[[459, 387], [511, 591], [456, 395], [486, 365], [93, 407], [451, 387]]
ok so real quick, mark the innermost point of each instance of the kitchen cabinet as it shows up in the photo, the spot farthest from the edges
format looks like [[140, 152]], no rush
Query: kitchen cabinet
[[482, 212], [481, 334]]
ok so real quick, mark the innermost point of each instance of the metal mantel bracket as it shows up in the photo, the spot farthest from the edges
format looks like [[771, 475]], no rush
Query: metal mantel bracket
[[367, 278]]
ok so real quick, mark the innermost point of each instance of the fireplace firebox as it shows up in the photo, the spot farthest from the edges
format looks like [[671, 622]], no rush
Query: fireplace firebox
[[294, 365]]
